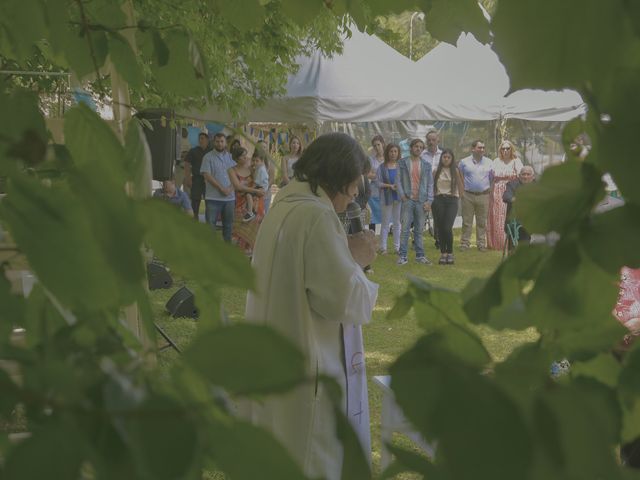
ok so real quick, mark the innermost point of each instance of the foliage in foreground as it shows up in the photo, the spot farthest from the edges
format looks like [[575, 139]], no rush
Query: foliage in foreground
[[94, 405]]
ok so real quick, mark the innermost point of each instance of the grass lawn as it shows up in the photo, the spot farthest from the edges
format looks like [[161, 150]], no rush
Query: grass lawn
[[384, 339]]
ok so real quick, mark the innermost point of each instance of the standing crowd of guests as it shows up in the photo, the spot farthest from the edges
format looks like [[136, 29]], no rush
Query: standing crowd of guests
[[429, 181], [398, 193]]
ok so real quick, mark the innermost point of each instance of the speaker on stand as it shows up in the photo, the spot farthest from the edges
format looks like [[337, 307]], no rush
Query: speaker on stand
[[159, 129]]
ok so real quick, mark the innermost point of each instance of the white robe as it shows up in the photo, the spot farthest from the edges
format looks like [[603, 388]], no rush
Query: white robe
[[309, 288]]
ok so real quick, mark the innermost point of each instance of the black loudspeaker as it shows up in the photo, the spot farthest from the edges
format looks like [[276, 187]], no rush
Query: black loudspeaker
[[158, 276], [161, 138], [182, 304]]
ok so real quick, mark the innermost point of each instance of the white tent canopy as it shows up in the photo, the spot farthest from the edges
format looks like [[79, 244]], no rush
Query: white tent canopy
[[471, 74], [372, 82]]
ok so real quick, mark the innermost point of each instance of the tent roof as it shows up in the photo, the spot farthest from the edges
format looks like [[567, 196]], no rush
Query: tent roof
[[371, 82]]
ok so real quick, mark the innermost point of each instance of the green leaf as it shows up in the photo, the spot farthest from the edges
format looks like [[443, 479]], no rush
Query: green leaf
[[135, 163], [563, 197], [576, 290], [604, 368], [10, 394], [302, 11], [616, 138], [92, 142], [633, 12], [11, 308], [204, 258], [160, 49], [631, 421], [43, 220], [408, 461], [436, 306], [448, 18], [26, 27], [498, 301], [162, 437], [25, 121], [401, 307], [41, 319], [125, 60], [235, 12], [355, 465], [107, 14], [629, 379], [524, 372], [578, 427], [556, 50], [99, 182], [432, 385], [246, 359], [179, 74], [58, 448], [611, 238], [235, 440]]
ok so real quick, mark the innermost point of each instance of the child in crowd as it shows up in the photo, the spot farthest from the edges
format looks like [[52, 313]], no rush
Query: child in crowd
[[260, 179]]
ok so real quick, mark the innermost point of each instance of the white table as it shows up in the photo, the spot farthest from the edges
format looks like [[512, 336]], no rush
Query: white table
[[392, 420]]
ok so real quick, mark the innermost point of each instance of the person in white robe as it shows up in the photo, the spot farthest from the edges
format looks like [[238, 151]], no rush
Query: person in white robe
[[311, 288]]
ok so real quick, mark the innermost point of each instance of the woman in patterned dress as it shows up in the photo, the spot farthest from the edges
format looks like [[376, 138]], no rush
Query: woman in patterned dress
[[505, 168], [244, 233]]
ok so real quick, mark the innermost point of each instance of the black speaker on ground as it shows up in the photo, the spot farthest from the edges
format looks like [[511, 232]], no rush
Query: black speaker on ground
[[158, 276], [161, 138], [182, 304]]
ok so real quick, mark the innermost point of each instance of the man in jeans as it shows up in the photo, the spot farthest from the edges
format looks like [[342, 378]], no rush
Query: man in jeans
[[477, 175], [414, 184], [220, 198]]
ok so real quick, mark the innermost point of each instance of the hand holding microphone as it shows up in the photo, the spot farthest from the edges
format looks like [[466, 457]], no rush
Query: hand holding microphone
[[362, 243]]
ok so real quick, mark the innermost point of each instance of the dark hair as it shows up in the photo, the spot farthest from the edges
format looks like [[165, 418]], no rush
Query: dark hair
[[431, 132], [261, 154], [453, 168], [414, 141], [237, 152], [202, 134], [377, 138], [331, 161], [475, 142], [387, 149], [218, 135]]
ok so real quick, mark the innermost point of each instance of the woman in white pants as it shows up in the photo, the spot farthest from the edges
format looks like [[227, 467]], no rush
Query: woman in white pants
[[389, 200]]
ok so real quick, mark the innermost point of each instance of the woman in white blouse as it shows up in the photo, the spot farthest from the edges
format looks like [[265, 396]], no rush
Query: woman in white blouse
[[295, 151], [505, 168]]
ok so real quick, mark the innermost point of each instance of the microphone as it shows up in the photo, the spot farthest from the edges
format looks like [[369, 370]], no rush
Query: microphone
[[355, 220]]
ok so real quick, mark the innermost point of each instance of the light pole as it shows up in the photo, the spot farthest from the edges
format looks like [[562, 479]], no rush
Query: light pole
[[413, 15]]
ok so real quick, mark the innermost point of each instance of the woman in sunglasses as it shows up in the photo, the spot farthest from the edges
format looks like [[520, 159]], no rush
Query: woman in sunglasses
[[505, 168]]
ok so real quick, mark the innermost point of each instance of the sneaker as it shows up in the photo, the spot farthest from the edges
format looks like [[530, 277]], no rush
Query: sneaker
[[382, 252], [369, 271], [248, 217], [450, 259], [423, 260], [402, 261], [443, 259], [482, 249], [464, 247]]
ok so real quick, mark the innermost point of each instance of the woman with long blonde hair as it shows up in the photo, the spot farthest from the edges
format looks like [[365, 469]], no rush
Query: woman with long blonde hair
[[505, 168]]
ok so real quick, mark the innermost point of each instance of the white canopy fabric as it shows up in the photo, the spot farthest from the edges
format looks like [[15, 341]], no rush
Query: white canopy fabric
[[372, 82]]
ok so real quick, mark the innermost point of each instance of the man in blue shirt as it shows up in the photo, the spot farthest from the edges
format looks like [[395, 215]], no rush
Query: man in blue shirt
[[220, 198], [477, 175], [174, 196], [414, 184]]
